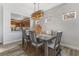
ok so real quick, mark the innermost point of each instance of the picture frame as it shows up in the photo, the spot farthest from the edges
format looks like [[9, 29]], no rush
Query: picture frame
[[16, 21], [69, 16]]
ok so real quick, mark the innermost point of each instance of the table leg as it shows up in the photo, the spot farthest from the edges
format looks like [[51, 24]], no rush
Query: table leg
[[46, 49], [22, 39]]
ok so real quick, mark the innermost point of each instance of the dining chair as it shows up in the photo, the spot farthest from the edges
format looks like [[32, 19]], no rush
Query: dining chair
[[35, 42], [55, 45], [26, 39]]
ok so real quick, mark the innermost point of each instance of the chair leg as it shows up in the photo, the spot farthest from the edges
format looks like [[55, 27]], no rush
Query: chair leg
[[29, 47], [54, 52], [36, 51], [26, 46], [60, 53]]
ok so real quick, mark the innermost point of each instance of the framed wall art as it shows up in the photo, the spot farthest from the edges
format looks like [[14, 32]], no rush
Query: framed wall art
[[69, 16]]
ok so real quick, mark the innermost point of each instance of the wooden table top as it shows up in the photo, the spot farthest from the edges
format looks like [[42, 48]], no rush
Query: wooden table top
[[45, 36]]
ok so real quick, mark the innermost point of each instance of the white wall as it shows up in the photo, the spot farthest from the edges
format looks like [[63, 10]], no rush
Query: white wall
[[1, 23], [22, 9], [8, 35], [70, 28]]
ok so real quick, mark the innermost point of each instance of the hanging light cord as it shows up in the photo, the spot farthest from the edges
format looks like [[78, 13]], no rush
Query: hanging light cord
[[34, 6], [38, 6]]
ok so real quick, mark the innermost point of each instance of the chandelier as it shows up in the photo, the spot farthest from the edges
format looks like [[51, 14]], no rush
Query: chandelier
[[37, 15]]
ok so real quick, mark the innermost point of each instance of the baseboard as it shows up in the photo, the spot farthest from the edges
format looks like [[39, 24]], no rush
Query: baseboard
[[0, 41], [70, 46], [8, 42]]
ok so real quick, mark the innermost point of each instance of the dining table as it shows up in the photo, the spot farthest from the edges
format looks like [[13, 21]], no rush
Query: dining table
[[42, 36], [46, 38]]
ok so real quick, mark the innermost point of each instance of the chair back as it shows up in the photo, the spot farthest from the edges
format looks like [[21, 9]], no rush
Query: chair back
[[33, 36], [58, 39], [24, 33], [57, 45]]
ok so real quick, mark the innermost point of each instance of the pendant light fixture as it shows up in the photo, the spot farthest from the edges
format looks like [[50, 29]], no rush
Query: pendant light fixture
[[37, 15]]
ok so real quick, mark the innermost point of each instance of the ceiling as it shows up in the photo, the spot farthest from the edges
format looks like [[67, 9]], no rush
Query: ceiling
[[29, 7], [42, 6]]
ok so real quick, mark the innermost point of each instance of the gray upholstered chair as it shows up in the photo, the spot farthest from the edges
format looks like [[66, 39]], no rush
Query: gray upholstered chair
[[55, 46], [26, 38], [35, 42]]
